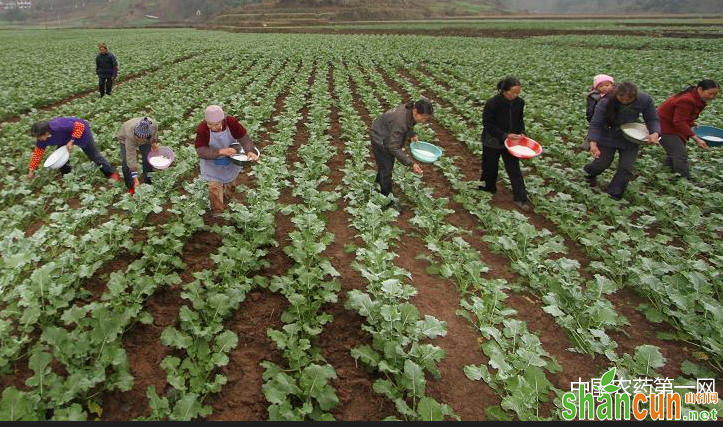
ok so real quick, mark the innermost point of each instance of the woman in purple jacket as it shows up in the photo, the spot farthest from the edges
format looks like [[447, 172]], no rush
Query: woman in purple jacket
[[67, 131]]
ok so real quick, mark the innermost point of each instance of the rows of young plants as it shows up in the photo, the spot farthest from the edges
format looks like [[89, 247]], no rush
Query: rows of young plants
[[590, 221], [516, 355], [559, 282], [63, 222], [61, 233], [202, 337], [658, 44], [161, 257], [68, 62], [631, 365], [85, 339], [400, 352], [300, 389], [662, 241], [646, 357], [28, 201]]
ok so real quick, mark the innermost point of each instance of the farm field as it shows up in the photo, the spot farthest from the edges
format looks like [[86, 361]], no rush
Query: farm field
[[509, 27], [311, 302]]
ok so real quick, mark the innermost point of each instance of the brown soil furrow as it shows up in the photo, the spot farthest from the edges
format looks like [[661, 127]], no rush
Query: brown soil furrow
[[439, 298], [242, 398], [357, 400], [142, 342], [625, 300]]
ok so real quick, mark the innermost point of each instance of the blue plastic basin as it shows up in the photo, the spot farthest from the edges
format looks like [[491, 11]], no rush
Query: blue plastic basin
[[707, 131], [425, 152]]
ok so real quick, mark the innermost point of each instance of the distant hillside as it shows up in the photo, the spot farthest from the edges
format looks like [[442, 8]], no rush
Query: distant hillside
[[248, 12], [127, 12], [620, 6], [299, 12], [109, 13]]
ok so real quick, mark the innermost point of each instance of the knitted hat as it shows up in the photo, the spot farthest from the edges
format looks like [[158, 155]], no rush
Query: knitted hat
[[39, 128], [601, 78], [214, 114], [143, 128]]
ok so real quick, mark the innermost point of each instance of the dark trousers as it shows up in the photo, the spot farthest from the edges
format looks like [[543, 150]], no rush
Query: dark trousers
[[490, 170], [385, 164], [677, 154], [91, 151], [626, 165], [105, 85], [147, 168]]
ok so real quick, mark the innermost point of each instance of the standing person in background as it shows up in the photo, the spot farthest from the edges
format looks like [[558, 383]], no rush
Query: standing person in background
[[106, 67], [214, 137], [503, 117], [138, 134], [624, 105], [677, 115], [602, 84], [67, 131], [389, 133]]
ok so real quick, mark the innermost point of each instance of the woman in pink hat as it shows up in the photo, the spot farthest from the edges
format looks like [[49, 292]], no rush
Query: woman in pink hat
[[214, 137], [602, 84]]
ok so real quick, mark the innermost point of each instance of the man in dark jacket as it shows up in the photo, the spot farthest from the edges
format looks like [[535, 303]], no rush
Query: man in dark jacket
[[390, 132], [106, 67]]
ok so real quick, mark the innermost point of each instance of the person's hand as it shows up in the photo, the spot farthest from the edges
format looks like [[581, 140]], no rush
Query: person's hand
[[227, 151], [654, 138], [31, 174], [513, 136], [154, 147], [70, 145], [136, 182], [594, 150], [702, 144], [417, 169], [415, 138], [253, 156]]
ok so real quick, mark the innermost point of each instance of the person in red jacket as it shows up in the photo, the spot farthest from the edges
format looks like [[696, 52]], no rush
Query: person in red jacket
[[677, 115]]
